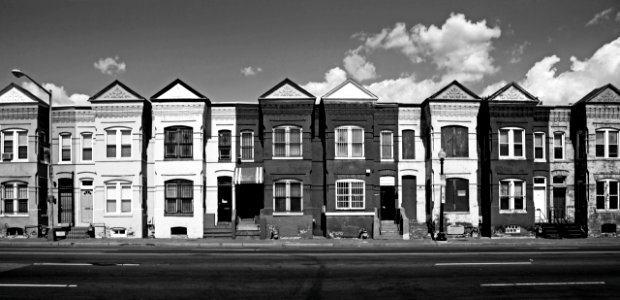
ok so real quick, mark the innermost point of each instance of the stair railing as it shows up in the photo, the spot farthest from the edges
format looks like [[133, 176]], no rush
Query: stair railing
[[403, 223]]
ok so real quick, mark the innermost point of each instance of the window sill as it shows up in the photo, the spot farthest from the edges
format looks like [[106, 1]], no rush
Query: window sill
[[287, 214], [18, 215], [387, 160], [286, 157], [179, 215], [540, 160], [511, 158], [598, 210], [123, 215], [177, 159], [460, 212], [349, 213], [350, 158], [15, 161], [513, 211], [247, 160]]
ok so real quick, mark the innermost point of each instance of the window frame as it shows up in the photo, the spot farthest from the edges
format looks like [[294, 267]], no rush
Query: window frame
[[222, 146], [244, 145], [62, 137], [83, 148], [511, 197], [349, 195], [349, 143], [288, 197], [15, 147], [403, 144], [179, 199], [607, 195], [543, 146], [451, 153], [178, 131], [562, 145], [287, 142], [118, 185], [389, 146], [606, 145], [16, 199], [511, 143], [118, 145]]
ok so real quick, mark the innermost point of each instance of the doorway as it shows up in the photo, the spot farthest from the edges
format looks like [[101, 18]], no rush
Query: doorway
[[249, 200], [540, 200], [86, 202], [409, 199], [388, 198], [65, 201], [224, 199]]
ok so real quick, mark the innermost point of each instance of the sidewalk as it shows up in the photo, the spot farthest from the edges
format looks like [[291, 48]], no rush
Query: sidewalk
[[315, 243]]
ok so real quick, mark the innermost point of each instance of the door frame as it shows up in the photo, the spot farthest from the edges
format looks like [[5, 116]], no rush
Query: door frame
[[91, 188], [71, 192], [223, 182]]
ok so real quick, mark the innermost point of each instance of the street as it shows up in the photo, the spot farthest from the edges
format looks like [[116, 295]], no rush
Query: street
[[387, 273]]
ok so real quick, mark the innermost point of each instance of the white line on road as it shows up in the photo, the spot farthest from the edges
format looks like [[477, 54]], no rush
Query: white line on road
[[84, 264], [38, 285], [542, 283], [485, 263]]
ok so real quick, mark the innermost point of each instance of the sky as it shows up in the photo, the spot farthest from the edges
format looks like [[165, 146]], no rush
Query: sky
[[232, 50]]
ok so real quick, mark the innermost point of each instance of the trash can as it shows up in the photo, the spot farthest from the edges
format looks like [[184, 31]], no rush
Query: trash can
[[31, 231], [59, 233], [99, 230]]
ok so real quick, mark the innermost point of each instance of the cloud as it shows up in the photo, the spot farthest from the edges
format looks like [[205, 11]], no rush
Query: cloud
[[515, 54], [492, 88], [60, 97], [110, 66], [332, 78], [618, 17], [405, 89], [358, 67], [251, 71], [599, 17]]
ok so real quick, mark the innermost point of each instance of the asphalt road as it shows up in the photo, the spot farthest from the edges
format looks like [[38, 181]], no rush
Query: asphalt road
[[187, 273]]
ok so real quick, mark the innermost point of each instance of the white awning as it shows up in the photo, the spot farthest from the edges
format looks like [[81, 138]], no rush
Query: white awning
[[251, 175]]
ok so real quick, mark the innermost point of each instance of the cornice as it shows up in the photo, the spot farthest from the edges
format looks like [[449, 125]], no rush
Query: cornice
[[18, 112]]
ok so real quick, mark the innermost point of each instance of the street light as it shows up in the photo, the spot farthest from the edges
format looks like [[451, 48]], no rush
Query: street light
[[50, 217], [441, 236]]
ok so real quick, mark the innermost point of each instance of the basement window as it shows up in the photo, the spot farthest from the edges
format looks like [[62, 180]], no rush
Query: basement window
[[513, 229]]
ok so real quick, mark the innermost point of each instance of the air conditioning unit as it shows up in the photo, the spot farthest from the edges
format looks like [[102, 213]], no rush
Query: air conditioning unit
[[7, 156]]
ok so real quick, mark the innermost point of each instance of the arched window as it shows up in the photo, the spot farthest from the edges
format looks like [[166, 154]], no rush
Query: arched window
[[179, 196], [455, 141], [349, 142], [287, 141], [178, 142]]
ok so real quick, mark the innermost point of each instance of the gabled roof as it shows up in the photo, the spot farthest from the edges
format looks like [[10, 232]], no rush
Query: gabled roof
[[116, 92], [454, 91], [512, 92], [178, 90], [287, 89], [14, 93], [605, 94], [350, 90]]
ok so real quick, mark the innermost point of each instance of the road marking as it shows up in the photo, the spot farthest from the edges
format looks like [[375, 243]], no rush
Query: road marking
[[85, 264], [485, 263], [38, 285], [542, 283]]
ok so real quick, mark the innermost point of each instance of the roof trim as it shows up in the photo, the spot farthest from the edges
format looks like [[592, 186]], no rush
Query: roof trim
[[25, 92], [358, 85], [109, 86], [282, 83], [516, 86], [182, 83], [595, 92], [459, 85]]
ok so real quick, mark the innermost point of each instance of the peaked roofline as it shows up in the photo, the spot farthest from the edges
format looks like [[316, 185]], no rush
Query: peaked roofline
[[24, 91], [349, 80], [515, 85], [109, 86], [172, 84], [595, 92], [458, 84], [291, 83]]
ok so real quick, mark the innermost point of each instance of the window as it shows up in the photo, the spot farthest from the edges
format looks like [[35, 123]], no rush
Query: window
[[408, 144], [607, 143], [87, 146], [179, 197], [118, 198], [64, 140], [287, 196], [14, 145], [350, 194], [512, 196], [178, 142], [454, 141], [247, 146], [558, 145], [607, 195], [457, 194], [387, 145], [539, 146], [511, 143], [349, 142], [115, 139], [287, 141], [224, 144], [14, 198]]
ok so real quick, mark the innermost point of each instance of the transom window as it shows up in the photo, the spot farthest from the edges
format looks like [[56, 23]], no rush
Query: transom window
[[118, 143], [350, 194], [87, 146], [179, 196], [454, 141], [387, 145], [224, 142], [607, 143], [14, 198], [558, 145], [118, 197], [511, 143], [64, 140], [408, 144], [512, 196], [247, 146], [14, 145], [178, 142], [287, 195], [539, 146], [607, 195], [349, 142], [287, 141]]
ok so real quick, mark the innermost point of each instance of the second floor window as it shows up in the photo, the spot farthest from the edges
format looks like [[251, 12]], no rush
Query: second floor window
[[14, 145], [607, 194], [118, 143], [65, 147], [387, 145], [87, 146], [607, 143], [287, 196], [247, 146], [178, 142], [224, 139], [287, 141], [14, 198], [179, 197], [558, 145], [454, 141], [539, 146], [408, 144], [511, 143], [511, 196], [349, 142]]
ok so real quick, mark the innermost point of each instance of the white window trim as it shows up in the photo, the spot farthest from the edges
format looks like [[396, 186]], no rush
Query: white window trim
[[287, 142], [563, 140], [606, 132], [349, 129], [92, 146], [118, 199], [349, 194], [391, 158], [511, 143], [607, 194], [288, 211], [544, 146], [251, 144], [118, 145], [15, 134], [61, 137], [15, 199], [511, 196]]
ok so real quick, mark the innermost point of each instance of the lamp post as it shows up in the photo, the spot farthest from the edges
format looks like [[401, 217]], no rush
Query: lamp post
[[441, 236], [50, 196]]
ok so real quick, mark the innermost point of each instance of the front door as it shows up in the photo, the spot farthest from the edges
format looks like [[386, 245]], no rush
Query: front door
[[559, 203], [224, 199], [249, 200], [65, 200], [388, 206], [540, 204], [86, 203], [409, 199]]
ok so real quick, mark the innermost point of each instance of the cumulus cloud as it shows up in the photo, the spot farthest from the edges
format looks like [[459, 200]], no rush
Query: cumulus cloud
[[110, 66], [251, 71], [517, 51], [358, 67], [332, 78], [60, 97], [405, 89], [618, 17], [600, 16]]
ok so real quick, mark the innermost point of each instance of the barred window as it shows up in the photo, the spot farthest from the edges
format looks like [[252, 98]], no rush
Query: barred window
[[224, 145], [179, 197], [14, 198], [287, 141], [387, 145], [287, 196], [178, 142], [349, 142], [350, 194], [247, 145]]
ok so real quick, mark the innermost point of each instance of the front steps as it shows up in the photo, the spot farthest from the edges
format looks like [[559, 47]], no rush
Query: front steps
[[248, 229], [221, 230], [75, 233], [389, 231], [560, 230]]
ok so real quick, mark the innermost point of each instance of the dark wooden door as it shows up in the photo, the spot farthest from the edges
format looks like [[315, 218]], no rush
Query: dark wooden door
[[409, 199], [224, 199], [65, 200], [388, 206], [457, 195], [559, 203]]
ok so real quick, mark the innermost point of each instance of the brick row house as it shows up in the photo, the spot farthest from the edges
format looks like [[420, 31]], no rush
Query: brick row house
[[291, 164]]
